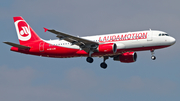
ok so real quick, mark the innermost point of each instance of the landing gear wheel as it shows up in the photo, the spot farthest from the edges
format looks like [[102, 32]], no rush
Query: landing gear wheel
[[89, 59], [153, 58], [103, 65], [152, 53]]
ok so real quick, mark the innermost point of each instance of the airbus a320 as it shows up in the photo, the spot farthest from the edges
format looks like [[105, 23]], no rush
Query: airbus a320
[[119, 46]]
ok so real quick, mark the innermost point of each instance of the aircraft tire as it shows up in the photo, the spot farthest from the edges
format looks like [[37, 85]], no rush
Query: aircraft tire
[[103, 65], [153, 58], [89, 59]]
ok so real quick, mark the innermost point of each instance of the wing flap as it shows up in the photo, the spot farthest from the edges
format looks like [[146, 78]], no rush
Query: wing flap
[[17, 45]]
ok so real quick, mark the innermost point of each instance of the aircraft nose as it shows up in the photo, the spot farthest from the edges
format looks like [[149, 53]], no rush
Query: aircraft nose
[[172, 40]]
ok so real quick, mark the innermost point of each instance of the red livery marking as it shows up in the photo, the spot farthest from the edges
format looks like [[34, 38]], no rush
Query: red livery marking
[[123, 37]]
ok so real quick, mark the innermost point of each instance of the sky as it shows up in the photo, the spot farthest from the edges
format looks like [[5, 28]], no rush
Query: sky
[[32, 78]]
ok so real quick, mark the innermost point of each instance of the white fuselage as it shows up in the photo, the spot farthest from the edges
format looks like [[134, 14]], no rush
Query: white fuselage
[[129, 40]]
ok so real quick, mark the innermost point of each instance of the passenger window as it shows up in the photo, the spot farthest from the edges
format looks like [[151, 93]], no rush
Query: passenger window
[[159, 34]]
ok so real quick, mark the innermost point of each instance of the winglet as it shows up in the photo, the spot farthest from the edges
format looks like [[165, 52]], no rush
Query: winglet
[[45, 29]]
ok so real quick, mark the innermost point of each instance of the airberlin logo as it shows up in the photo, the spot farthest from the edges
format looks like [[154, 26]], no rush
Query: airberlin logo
[[23, 30]]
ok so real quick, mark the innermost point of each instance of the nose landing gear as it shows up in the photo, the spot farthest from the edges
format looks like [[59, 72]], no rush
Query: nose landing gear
[[153, 57], [152, 53]]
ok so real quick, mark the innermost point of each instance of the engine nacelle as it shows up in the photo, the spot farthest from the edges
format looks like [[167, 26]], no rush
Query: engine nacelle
[[107, 48], [127, 57]]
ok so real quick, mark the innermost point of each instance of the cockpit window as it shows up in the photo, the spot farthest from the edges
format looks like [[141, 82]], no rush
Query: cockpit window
[[163, 34]]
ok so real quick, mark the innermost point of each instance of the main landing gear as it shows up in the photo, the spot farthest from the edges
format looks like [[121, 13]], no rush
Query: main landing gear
[[89, 59], [152, 53], [103, 64]]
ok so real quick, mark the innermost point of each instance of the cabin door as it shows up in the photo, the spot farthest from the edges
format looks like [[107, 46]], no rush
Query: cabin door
[[41, 46]]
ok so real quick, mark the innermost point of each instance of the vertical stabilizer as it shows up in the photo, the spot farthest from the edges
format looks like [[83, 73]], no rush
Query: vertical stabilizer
[[26, 34]]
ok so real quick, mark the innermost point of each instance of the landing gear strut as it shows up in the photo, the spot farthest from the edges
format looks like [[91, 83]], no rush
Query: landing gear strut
[[152, 53], [89, 59], [103, 64]]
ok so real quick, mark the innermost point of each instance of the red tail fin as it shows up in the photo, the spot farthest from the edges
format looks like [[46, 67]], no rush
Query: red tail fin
[[26, 34]]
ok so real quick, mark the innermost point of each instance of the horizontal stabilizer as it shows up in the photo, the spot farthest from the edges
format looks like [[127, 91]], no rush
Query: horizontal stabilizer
[[17, 45]]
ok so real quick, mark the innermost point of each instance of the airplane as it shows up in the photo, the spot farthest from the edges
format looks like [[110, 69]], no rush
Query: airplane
[[119, 46]]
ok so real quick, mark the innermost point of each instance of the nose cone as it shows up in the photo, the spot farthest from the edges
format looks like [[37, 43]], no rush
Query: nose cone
[[172, 40]]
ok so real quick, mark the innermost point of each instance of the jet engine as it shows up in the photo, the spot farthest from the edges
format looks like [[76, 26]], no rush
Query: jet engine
[[107, 48], [127, 57]]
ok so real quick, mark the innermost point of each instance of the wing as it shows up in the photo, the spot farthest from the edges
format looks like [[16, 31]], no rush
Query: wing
[[17, 45], [84, 44]]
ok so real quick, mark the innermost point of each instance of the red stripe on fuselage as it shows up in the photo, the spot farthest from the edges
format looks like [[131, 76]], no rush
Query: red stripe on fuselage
[[63, 52]]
